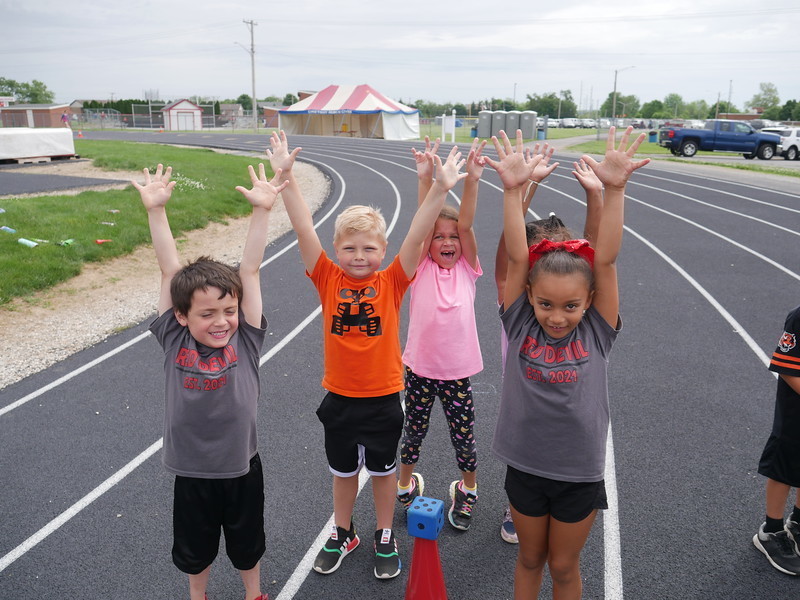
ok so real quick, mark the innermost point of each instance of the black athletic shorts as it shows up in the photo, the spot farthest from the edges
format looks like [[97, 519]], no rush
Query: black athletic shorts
[[780, 461], [361, 431], [565, 501], [204, 506]]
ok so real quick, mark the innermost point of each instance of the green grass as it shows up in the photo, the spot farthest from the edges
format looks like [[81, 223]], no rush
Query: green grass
[[204, 193]]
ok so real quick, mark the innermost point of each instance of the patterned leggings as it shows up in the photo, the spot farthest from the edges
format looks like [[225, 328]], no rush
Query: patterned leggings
[[456, 397]]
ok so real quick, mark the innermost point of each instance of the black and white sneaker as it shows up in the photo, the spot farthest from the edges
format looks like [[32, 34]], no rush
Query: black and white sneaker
[[779, 549], [387, 560], [460, 514], [793, 528], [417, 487], [341, 543]]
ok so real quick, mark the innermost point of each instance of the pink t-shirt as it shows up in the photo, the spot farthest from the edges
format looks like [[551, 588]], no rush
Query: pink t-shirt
[[442, 338]]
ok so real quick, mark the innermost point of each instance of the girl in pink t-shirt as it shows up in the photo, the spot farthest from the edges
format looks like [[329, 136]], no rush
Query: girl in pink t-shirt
[[443, 308]]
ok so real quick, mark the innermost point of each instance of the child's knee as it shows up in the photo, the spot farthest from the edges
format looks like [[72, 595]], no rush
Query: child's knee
[[564, 569]]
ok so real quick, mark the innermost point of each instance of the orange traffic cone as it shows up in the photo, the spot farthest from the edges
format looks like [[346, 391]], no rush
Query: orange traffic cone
[[425, 578], [80, 134]]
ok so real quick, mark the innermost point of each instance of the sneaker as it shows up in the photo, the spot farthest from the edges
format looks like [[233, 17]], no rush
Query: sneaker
[[460, 512], [417, 487], [507, 530], [387, 560], [793, 528], [341, 543], [779, 550]]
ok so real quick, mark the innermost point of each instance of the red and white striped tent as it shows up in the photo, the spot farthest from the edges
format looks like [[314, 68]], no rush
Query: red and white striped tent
[[354, 110]]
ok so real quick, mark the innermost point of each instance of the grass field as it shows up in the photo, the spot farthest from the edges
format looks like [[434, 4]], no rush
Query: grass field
[[205, 178]]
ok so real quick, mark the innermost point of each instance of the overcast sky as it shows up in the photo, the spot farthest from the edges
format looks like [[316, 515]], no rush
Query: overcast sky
[[456, 51]]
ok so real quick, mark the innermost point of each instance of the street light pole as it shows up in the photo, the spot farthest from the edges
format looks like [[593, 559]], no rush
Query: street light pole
[[250, 24], [614, 99]]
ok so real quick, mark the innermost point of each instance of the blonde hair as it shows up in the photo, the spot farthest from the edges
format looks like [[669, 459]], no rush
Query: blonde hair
[[360, 219], [449, 212]]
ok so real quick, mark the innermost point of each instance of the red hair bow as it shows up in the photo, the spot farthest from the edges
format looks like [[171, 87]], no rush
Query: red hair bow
[[579, 247]]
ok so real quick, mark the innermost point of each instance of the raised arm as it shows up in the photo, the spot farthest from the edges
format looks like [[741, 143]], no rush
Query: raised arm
[[262, 197], [155, 194], [594, 199], [469, 203], [613, 172], [424, 164], [299, 214], [422, 223], [514, 169], [540, 172], [537, 176]]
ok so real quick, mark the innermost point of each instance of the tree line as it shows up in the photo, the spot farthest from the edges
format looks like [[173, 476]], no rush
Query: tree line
[[561, 104]]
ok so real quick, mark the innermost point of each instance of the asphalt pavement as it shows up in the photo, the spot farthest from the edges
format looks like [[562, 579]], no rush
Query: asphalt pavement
[[708, 272]]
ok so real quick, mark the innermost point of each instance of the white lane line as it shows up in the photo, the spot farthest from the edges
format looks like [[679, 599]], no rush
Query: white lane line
[[722, 208], [140, 337], [73, 510], [72, 374], [611, 534], [718, 191], [298, 576]]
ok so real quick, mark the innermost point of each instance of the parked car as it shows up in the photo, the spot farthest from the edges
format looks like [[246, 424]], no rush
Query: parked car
[[720, 135], [551, 122], [588, 123], [539, 122], [569, 122], [789, 147]]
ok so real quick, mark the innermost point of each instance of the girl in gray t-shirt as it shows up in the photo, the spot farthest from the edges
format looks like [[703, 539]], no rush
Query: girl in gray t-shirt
[[561, 315]]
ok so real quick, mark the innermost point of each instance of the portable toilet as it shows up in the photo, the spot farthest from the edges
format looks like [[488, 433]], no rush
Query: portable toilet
[[527, 123], [499, 122], [485, 124], [512, 123]]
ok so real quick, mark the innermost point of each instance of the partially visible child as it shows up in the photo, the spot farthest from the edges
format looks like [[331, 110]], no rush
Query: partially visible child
[[211, 328], [561, 315], [442, 309], [780, 460], [361, 412]]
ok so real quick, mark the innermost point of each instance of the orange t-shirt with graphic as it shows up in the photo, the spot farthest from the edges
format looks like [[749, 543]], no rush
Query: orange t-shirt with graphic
[[361, 328]]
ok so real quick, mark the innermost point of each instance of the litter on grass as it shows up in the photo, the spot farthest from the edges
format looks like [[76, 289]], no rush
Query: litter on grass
[[8, 229], [27, 242], [102, 241]]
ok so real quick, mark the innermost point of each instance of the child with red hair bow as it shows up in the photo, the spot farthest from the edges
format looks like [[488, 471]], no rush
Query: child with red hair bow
[[561, 315]]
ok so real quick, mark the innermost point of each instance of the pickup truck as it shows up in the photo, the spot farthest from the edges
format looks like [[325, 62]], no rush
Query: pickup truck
[[720, 135]]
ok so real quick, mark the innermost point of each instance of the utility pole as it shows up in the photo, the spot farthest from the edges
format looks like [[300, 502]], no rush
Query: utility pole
[[730, 89], [250, 24], [614, 100]]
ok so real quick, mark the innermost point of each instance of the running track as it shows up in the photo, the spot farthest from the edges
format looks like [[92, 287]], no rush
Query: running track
[[709, 270]]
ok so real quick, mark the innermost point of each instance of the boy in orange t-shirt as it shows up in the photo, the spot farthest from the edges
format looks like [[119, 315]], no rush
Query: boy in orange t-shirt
[[361, 412]]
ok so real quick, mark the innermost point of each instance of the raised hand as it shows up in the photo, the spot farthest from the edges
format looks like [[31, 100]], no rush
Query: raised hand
[[513, 166], [617, 164], [157, 190], [264, 192], [424, 160], [543, 169], [475, 160], [278, 153], [586, 177], [447, 173]]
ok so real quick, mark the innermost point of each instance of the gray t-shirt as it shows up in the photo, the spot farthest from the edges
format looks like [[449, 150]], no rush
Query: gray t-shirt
[[211, 400], [554, 413]]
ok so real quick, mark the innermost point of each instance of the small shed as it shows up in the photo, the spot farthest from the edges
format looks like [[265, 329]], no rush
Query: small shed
[[182, 115], [33, 115]]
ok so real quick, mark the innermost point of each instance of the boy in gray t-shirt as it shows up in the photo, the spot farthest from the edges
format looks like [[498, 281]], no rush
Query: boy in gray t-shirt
[[211, 328]]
